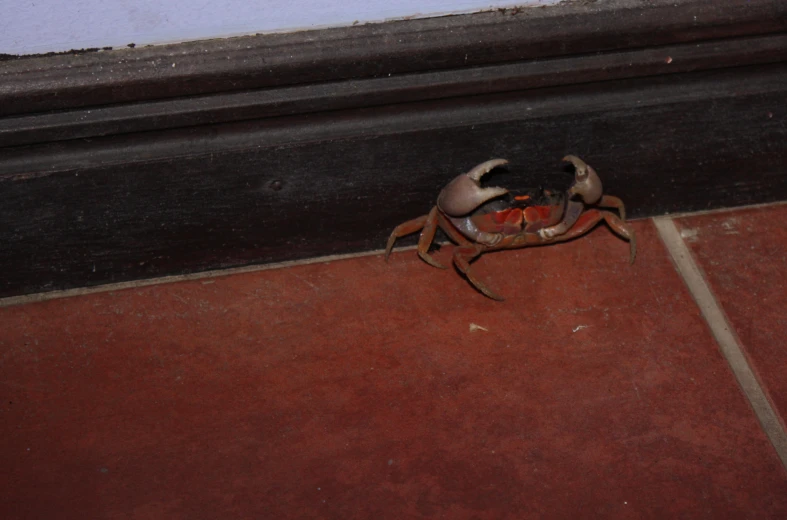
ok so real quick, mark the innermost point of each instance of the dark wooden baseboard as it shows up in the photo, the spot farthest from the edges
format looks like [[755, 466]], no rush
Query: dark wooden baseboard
[[152, 170]]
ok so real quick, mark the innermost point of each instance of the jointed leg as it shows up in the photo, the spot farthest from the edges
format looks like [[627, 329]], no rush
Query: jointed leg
[[591, 218], [464, 254], [427, 236], [586, 222], [462, 257], [625, 230], [608, 201], [407, 228]]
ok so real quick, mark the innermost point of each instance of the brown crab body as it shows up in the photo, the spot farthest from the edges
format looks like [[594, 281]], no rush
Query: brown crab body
[[477, 220]]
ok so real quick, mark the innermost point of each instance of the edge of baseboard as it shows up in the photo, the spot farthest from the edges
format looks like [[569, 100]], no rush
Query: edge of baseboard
[[12, 301]]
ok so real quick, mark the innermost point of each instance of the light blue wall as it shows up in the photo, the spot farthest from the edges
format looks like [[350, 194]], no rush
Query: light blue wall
[[37, 26]]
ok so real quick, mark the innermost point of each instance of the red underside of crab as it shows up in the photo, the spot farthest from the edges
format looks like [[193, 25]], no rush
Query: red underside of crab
[[513, 221]]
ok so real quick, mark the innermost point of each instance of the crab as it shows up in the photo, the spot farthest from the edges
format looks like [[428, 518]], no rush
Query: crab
[[482, 219]]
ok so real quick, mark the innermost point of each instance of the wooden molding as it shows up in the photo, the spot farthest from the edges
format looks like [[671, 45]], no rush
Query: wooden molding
[[375, 50], [403, 88]]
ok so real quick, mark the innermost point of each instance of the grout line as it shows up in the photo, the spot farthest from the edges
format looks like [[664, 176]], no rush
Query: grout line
[[726, 338]]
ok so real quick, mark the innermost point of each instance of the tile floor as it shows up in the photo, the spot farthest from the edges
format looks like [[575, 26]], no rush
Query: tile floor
[[357, 389]]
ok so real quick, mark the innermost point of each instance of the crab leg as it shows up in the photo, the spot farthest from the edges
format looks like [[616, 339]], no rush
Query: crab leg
[[428, 225], [464, 254], [407, 228], [608, 201], [591, 218], [427, 236], [623, 229], [462, 257]]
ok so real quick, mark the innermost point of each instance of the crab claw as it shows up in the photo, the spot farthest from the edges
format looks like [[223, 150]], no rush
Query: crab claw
[[464, 194], [586, 183]]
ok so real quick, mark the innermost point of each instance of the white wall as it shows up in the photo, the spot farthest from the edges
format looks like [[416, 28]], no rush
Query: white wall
[[37, 26]]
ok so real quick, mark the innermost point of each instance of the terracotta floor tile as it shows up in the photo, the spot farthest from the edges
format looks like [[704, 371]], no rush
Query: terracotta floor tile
[[744, 255], [355, 389]]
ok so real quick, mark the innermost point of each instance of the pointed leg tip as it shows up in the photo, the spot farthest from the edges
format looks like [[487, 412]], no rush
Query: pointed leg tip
[[489, 294], [431, 261], [436, 264]]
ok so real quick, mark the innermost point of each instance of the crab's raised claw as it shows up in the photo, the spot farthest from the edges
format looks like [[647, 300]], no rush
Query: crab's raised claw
[[464, 194], [485, 167], [579, 164], [587, 183]]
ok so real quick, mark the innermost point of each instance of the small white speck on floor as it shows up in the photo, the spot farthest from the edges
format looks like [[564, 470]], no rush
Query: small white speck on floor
[[689, 234]]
